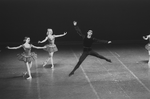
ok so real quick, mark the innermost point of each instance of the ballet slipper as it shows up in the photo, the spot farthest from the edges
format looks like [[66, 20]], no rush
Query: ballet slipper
[[29, 77], [44, 64], [52, 67]]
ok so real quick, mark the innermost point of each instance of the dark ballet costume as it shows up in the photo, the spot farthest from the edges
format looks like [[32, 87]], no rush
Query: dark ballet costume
[[51, 47], [87, 50], [27, 55]]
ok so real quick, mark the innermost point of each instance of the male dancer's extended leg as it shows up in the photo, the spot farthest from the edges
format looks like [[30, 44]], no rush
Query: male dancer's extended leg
[[93, 53], [81, 59]]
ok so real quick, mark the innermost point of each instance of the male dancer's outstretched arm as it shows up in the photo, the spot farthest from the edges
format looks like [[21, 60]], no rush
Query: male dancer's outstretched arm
[[78, 30], [102, 41]]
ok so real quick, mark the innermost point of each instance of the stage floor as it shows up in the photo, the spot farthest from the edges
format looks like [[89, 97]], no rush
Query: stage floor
[[127, 77]]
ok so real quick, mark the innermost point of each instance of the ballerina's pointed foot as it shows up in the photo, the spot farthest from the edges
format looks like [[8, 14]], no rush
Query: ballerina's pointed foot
[[29, 77], [44, 64], [52, 67]]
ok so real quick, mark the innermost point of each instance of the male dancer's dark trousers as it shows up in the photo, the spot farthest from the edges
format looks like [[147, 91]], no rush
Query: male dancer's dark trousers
[[85, 53]]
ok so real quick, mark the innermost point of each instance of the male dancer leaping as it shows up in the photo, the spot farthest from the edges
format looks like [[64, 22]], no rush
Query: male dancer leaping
[[88, 40]]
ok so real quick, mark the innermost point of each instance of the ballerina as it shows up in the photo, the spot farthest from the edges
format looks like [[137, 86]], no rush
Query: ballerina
[[27, 56], [51, 47], [147, 46]]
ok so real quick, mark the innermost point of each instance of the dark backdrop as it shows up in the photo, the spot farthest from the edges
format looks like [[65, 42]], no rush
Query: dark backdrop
[[109, 19]]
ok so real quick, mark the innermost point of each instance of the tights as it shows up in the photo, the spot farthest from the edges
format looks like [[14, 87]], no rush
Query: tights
[[85, 54]]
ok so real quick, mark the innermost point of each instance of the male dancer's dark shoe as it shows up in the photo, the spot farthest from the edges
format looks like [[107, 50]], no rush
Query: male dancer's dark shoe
[[71, 74], [108, 60]]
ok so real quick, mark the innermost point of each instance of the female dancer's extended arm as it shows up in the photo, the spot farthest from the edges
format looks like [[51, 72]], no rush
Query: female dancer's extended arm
[[43, 40], [38, 47], [146, 38], [14, 47], [60, 35]]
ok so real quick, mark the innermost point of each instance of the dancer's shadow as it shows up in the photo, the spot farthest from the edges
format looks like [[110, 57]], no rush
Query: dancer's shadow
[[144, 61], [143, 67], [21, 76], [55, 65], [11, 77], [36, 75]]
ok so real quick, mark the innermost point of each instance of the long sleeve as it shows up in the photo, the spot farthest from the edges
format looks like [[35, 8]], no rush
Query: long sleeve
[[79, 31], [100, 41]]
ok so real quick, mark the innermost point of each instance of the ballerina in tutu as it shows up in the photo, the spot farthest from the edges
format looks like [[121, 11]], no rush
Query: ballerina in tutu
[[27, 56], [51, 47], [147, 46]]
